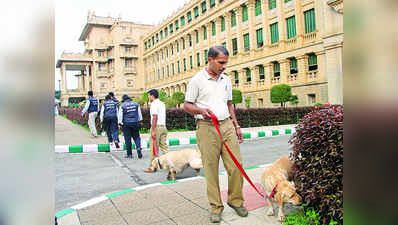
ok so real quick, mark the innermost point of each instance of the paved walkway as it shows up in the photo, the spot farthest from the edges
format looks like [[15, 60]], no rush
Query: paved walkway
[[67, 133], [183, 202]]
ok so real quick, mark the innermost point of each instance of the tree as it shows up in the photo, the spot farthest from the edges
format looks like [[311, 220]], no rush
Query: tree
[[281, 93], [294, 100], [236, 97], [140, 101], [179, 98], [162, 96], [145, 97], [170, 102], [248, 99]]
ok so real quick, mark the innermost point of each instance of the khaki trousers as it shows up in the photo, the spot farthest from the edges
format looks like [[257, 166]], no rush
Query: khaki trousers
[[91, 123], [211, 148], [161, 139]]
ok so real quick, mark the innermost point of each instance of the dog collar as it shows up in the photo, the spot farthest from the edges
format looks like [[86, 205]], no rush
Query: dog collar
[[273, 192]]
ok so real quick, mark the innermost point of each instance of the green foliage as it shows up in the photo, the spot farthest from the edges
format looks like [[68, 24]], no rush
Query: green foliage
[[140, 101], [281, 93], [236, 97], [170, 102], [58, 95], [145, 97], [248, 99], [318, 161], [310, 216], [162, 96], [317, 104], [294, 100], [178, 97]]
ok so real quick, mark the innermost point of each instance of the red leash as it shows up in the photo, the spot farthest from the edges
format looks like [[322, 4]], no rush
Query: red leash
[[215, 122], [154, 147]]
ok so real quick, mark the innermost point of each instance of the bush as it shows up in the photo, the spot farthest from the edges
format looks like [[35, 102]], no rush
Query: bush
[[318, 161]]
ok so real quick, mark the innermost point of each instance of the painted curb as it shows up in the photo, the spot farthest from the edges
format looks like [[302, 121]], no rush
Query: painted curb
[[99, 199], [170, 142]]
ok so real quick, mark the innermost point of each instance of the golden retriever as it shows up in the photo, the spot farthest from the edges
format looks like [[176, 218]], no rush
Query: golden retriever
[[276, 175], [176, 161]]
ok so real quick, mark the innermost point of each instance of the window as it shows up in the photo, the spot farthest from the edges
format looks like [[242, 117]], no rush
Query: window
[[167, 53], [172, 68], [236, 77], [190, 40], [171, 28], [204, 33], [196, 11], [197, 36], [168, 70], [189, 15], [212, 3], [203, 5], [246, 42], [311, 99], [176, 24], [149, 43], [162, 72], [245, 15], [190, 62], [101, 53], [183, 43], [146, 45], [128, 63], [224, 44], [165, 32], [101, 66], [261, 72], [274, 33], [182, 19], [258, 7], [178, 66], [260, 103], [185, 64], [178, 46], [276, 69], [259, 35], [271, 4], [234, 46], [312, 62], [153, 40], [213, 28], [172, 50], [198, 59], [222, 24], [293, 66], [233, 18], [291, 27], [309, 20], [206, 61], [161, 35], [248, 75]]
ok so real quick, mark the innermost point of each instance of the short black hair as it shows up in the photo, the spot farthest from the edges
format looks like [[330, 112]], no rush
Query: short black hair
[[216, 50], [154, 93], [108, 97], [111, 94], [90, 93]]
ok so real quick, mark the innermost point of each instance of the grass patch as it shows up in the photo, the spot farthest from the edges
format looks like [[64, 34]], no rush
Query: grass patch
[[310, 216]]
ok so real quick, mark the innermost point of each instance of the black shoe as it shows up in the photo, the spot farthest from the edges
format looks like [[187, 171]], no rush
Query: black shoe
[[128, 156], [139, 153], [117, 144]]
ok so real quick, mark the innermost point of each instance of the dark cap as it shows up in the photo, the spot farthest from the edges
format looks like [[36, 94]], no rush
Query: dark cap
[[125, 97]]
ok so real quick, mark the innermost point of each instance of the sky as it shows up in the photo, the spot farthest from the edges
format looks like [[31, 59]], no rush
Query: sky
[[71, 16]]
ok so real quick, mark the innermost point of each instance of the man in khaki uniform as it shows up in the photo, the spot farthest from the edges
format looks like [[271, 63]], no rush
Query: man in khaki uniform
[[210, 91], [158, 126]]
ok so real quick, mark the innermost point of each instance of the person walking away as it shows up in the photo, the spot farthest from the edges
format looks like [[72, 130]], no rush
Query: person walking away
[[210, 92], [91, 108], [158, 126], [129, 117], [109, 120], [113, 97]]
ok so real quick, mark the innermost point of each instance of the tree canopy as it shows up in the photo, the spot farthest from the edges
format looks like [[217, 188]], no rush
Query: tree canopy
[[281, 93]]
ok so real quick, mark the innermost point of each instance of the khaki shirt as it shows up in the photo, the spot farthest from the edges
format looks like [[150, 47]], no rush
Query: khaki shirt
[[205, 92]]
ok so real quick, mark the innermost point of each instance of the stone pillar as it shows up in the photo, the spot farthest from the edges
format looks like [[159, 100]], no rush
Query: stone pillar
[[86, 79], [254, 76], [268, 75], [284, 70], [299, 21], [239, 29], [281, 21], [228, 32], [218, 30], [242, 78], [302, 67], [333, 71], [252, 23], [63, 78], [266, 30]]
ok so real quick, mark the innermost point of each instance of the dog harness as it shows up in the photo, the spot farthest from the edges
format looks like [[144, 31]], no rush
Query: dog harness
[[273, 192]]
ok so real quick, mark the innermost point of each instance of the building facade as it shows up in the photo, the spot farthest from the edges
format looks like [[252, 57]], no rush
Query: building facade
[[271, 42], [110, 61]]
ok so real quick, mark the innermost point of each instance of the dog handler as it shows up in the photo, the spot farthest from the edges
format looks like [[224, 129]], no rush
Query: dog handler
[[210, 91], [158, 126]]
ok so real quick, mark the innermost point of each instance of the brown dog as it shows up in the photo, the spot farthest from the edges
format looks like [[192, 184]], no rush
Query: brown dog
[[176, 161], [275, 177]]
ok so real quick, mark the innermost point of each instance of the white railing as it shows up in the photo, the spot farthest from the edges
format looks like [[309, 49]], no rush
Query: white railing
[[276, 80], [312, 75]]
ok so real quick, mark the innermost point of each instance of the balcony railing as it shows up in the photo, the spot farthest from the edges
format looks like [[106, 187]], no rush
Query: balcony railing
[[129, 70], [260, 82], [235, 85], [312, 75], [310, 36], [275, 80], [292, 77], [291, 43], [103, 74]]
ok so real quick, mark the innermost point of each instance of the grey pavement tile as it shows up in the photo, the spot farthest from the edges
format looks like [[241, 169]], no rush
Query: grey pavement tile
[[131, 204], [164, 222], [106, 221], [175, 210], [145, 217], [101, 210], [202, 202], [69, 219], [202, 218]]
